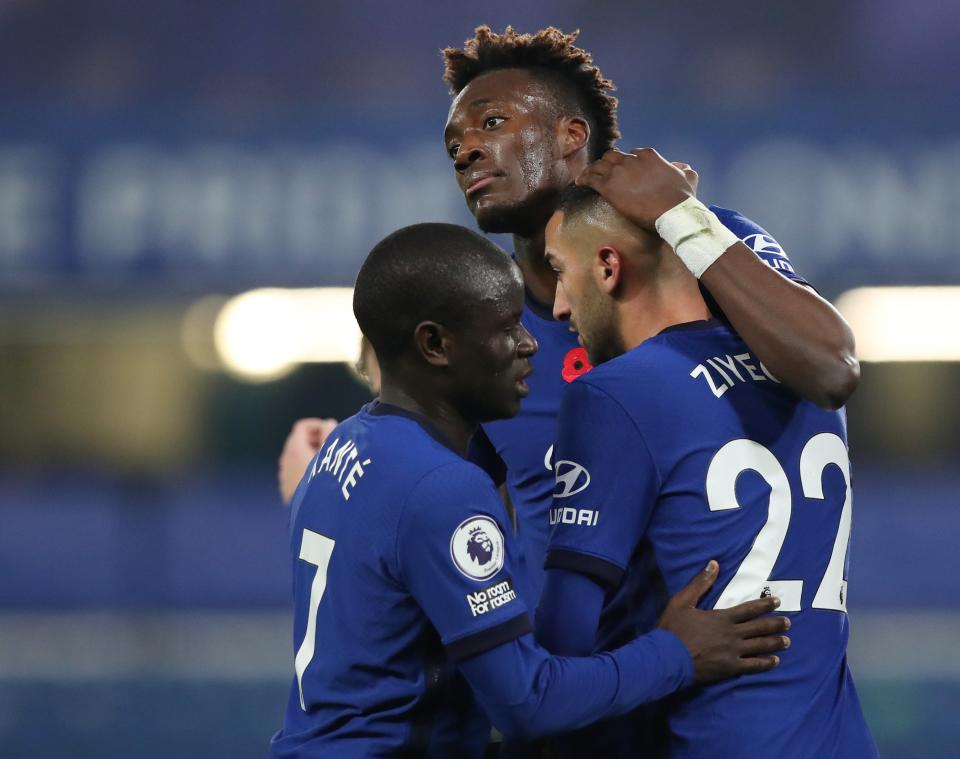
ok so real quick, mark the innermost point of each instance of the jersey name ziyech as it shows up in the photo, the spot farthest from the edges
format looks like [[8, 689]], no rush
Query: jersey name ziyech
[[524, 444], [401, 569], [687, 447]]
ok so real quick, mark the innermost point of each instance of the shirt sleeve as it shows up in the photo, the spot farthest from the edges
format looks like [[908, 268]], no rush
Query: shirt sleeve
[[606, 486], [455, 557], [759, 241], [528, 694], [559, 631]]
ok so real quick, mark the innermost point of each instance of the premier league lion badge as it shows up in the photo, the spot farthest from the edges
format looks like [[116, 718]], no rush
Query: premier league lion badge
[[477, 548]]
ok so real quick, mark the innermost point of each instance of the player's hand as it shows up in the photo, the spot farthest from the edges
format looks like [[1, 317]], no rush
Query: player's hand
[[641, 184], [725, 642], [304, 440]]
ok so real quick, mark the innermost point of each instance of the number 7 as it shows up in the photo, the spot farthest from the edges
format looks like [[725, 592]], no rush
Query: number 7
[[315, 549]]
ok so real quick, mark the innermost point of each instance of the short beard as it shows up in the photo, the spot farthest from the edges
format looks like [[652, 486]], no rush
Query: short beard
[[605, 343], [504, 219], [605, 349], [525, 218]]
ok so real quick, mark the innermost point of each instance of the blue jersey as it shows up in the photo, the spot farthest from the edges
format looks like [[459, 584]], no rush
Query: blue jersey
[[525, 443], [687, 449], [401, 569]]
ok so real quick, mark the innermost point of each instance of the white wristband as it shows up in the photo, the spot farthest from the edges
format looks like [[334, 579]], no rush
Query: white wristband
[[695, 234]]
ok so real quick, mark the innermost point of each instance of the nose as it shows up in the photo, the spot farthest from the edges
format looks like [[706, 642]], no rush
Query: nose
[[528, 344], [471, 150], [561, 307]]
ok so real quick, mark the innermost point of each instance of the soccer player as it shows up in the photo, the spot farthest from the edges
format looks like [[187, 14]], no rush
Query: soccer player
[[406, 592], [680, 442], [530, 113]]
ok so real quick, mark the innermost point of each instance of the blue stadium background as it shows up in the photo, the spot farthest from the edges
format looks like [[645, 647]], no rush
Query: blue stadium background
[[152, 154]]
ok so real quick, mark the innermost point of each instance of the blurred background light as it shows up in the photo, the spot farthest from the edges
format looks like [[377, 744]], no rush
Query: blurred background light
[[263, 334], [904, 323], [197, 332]]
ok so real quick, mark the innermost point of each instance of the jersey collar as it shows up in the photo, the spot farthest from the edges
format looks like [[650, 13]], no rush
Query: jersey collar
[[379, 408], [697, 326]]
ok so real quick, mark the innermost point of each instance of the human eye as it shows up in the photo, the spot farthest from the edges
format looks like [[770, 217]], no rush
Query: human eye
[[453, 149], [492, 122], [514, 326]]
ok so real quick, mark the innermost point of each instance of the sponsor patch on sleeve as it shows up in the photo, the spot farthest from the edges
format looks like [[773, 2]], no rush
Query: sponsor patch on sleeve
[[764, 244], [476, 548]]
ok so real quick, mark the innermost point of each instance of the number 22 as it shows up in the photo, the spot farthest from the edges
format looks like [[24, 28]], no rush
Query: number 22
[[753, 574]]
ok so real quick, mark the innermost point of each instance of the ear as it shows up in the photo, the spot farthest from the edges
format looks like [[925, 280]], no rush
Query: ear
[[609, 268], [574, 135], [432, 341]]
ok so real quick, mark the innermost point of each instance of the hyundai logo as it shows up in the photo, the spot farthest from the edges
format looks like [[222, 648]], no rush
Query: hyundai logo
[[571, 479]]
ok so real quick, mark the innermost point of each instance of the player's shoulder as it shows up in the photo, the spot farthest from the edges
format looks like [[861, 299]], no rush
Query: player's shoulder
[[453, 476], [737, 223], [613, 386], [682, 347], [411, 437], [656, 358], [755, 237], [450, 493], [656, 373], [406, 450]]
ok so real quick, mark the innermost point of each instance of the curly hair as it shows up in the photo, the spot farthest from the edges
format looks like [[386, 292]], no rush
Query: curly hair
[[578, 84]]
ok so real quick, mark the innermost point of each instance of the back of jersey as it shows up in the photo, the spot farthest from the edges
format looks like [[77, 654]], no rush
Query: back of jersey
[[714, 459], [379, 604]]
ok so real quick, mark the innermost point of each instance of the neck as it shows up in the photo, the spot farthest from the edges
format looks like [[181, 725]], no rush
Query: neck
[[659, 304], [537, 275], [420, 398]]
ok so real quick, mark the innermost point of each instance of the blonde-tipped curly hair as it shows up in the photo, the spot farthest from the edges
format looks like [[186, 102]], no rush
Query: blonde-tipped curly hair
[[579, 86]]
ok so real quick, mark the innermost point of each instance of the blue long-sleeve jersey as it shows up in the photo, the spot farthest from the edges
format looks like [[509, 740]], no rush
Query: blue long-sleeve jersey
[[687, 449], [411, 625], [521, 448]]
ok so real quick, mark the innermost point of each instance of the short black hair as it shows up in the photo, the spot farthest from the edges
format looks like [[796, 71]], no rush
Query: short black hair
[[432, 271], [578, 85], [577, 199]]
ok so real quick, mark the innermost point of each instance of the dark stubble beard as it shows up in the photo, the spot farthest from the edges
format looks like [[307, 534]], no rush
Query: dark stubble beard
[[604, 341], [526, 218], [504, 219]]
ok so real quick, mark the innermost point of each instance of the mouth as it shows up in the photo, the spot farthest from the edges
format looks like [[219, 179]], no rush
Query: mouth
[[477, 183], [523, 389]]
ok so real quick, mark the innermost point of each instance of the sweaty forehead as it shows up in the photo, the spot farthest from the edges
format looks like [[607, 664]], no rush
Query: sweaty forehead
[[514, 87], [498, 289], [570, 235]]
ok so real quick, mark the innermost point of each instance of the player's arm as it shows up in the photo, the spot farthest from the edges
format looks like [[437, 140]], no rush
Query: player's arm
[[454, 555], [561, 632], [529, 693], [600, 521], [798, 335]]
